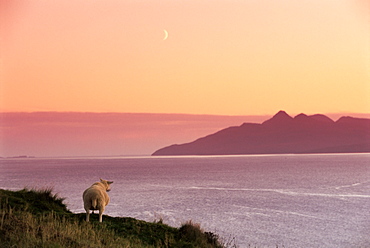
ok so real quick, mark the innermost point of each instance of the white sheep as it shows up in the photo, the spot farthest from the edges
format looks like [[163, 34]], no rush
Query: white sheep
[[96, 198]]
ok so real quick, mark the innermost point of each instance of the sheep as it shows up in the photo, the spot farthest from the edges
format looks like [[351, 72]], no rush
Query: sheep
[[96, 198]]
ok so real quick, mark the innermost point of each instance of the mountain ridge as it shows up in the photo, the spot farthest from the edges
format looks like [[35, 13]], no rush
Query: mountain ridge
[[282, 134]]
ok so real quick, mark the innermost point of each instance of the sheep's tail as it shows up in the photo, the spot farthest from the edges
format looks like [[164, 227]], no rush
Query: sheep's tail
[[94, 203]]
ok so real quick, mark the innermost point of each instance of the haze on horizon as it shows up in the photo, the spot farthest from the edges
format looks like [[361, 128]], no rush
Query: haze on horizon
[[220, 57], [61, 134]]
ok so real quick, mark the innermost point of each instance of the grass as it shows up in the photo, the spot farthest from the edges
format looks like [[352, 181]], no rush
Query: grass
[[39, 218]]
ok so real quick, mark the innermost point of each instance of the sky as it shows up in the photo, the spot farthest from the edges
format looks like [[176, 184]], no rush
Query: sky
[[125, 77], [221, 57], [55, 134]]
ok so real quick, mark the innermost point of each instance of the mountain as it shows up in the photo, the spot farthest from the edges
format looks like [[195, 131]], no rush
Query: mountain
[[282, 134]]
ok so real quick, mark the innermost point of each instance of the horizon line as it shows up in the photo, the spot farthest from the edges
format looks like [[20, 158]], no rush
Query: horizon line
[[177, 156], [172, 113]]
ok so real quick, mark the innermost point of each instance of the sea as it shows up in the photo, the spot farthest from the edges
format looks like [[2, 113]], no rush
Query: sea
[[316, 200]]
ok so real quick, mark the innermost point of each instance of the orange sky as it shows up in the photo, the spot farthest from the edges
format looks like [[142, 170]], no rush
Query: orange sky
[[228, 57]]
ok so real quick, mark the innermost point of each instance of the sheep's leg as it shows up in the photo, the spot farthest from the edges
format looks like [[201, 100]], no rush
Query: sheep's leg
[[100, 215], [101, 210], [87, 216]]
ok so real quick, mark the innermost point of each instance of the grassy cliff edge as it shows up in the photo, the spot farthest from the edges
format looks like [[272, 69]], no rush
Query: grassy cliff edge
[[39, 218]]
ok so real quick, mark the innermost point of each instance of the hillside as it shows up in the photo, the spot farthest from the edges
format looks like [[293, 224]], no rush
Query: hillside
[[282, 134], [38, 218]]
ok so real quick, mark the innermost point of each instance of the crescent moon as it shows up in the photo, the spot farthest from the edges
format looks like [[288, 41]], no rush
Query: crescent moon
[[165, 34]]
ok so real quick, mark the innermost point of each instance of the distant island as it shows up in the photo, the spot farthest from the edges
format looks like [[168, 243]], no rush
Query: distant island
[[282, 134], [20, 156]]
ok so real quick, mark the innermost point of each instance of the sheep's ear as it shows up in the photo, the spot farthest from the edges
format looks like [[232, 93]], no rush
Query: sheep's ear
[[110, 182]]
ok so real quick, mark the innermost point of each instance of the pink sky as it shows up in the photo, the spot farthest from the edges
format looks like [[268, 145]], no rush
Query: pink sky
[[89, 134], [100, 134]]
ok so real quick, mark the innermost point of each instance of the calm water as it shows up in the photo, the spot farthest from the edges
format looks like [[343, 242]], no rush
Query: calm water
[[264, 201]]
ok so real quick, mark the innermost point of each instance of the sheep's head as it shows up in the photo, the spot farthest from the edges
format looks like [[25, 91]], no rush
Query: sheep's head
[[106, 184]]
